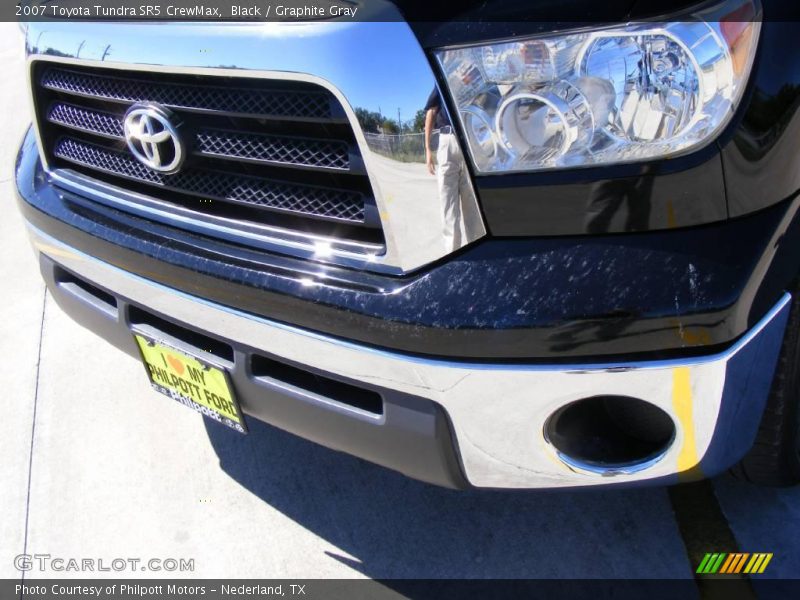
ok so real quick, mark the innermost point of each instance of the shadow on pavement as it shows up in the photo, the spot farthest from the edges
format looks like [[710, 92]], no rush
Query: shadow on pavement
[[764, 520], [388, 526]]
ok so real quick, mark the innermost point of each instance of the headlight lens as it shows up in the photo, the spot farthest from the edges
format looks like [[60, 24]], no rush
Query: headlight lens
[[612, 95]]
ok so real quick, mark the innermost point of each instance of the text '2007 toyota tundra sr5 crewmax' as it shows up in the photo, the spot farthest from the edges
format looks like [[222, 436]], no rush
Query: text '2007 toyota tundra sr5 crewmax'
[[511, 253]]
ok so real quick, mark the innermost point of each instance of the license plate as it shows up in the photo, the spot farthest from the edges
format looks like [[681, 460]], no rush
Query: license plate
[[194, 382]]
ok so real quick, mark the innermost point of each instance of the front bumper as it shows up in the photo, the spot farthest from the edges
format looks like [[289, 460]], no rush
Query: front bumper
[[451, 423]]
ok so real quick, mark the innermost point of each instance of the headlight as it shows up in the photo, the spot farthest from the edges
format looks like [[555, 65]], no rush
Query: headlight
[[594, 97]]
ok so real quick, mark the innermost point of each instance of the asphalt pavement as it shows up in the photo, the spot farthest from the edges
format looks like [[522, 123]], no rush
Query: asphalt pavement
[[94, 464]]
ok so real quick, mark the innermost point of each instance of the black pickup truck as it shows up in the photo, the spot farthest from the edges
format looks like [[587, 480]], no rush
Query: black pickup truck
[[499, 248]]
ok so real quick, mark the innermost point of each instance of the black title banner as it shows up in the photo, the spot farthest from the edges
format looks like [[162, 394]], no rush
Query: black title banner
[[387, 589], [472, 11], [191, 10]]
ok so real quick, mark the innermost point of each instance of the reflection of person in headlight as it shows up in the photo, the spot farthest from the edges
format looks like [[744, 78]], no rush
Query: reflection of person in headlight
[[452, 176]]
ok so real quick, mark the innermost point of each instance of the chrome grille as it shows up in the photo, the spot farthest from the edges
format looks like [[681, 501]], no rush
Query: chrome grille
[[281, 150]]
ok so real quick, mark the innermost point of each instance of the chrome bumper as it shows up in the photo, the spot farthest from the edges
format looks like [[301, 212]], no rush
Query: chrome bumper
[[498, 411]]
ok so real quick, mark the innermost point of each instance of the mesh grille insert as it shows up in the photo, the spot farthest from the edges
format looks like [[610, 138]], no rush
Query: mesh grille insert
[[305, 152], [86, 120], [295, 151], [279, 103], [332, 204]]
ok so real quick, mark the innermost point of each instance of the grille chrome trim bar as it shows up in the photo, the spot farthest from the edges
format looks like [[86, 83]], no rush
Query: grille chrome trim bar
[[406, 196], [258, 235]]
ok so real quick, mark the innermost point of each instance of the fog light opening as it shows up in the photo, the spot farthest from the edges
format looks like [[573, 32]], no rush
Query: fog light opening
[[610, 434]]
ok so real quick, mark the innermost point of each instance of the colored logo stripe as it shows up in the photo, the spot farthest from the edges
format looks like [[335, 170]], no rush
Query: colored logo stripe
[[732, 558], [723, 563], [758, 563], [711, 563], [735, 563]]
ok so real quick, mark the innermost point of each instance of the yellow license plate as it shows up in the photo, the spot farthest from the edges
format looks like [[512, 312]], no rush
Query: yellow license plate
[[191, 381]]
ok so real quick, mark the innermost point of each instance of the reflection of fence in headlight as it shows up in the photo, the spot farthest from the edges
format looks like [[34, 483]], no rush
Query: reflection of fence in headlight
[[403, 147]]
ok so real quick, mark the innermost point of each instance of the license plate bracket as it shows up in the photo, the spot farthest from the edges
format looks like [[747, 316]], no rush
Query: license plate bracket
[[191, 380]]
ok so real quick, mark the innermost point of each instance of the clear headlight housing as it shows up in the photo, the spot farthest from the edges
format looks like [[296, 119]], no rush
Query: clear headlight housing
[[596, 97]]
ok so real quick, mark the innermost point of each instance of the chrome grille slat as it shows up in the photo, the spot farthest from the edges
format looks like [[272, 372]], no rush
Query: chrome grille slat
[[91, 121], [276, 149], [288, 150], [340, 205], [208, 98]]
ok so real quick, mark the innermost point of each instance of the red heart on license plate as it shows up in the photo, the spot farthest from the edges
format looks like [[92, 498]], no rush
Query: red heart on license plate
[[176, 364]]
